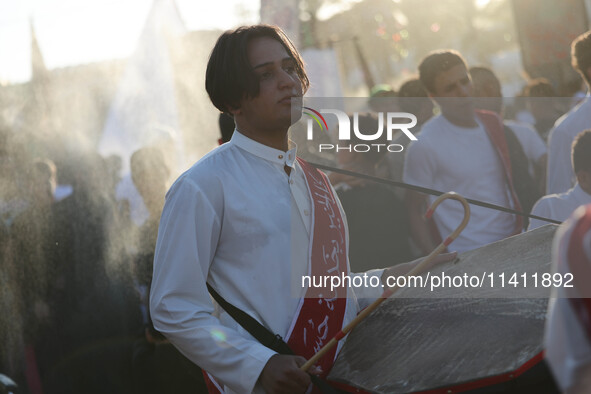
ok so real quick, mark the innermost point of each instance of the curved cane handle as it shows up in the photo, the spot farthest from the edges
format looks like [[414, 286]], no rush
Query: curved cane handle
[[463, 224]]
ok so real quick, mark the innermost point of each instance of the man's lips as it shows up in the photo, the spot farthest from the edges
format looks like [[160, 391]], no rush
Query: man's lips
[[288, 100]]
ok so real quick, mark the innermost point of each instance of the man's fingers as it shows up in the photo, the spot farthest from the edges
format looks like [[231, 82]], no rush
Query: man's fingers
[[446, 257], [282, 374], [299, 360], [315, 370]]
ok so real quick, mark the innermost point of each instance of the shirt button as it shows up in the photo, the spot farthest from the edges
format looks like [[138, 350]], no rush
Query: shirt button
[[280, 156], [291, 181]]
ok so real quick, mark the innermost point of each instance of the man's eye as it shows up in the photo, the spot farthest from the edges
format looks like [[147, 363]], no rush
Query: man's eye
[[290, 69], [266, 75]]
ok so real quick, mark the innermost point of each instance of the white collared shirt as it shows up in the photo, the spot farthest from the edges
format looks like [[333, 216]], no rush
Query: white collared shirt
[[558, 206], [237, 220], [561, 176]]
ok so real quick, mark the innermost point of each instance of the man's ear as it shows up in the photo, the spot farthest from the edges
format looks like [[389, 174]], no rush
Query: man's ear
[[584, 179], [234, 110]]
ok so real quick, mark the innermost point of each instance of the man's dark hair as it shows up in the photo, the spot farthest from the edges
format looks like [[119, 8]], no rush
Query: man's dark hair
[[540, 87], [484, 75], [230, 77], [582, 151], [437, 62], [227, 126], [581, 55], [412, 88], [410, 93]]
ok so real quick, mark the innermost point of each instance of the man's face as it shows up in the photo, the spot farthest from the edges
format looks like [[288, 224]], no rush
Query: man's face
[[279, 86], [452, 90]]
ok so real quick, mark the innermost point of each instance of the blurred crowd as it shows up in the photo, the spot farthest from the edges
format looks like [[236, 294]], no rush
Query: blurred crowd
[[76, 264], [75, 273]]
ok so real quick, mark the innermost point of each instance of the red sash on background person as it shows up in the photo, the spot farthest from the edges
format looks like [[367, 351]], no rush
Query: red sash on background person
[[496, 132], [321, 312]]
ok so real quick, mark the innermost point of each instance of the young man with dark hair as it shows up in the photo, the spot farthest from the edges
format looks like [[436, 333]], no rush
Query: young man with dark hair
[[461, 150], [250, 220], [560, 206], [560, 172]]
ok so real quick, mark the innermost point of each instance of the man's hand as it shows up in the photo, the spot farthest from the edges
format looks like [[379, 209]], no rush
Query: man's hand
[[282, 374]]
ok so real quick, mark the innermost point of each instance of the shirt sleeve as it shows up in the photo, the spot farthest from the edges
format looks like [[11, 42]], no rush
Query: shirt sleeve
[[180, 304], [560, 173]]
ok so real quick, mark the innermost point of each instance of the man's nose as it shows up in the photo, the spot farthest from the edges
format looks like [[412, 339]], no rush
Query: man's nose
[[287, 80]]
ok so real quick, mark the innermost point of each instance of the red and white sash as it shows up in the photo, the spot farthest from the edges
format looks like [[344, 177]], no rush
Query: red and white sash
[[321, 312]]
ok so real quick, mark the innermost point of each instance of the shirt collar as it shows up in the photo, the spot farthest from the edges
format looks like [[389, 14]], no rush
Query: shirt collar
[[265, 152]]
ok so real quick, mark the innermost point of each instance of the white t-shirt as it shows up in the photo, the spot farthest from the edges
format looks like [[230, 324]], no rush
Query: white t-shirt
[[558, 206], [561, 176], [237, 220], [451, 158]]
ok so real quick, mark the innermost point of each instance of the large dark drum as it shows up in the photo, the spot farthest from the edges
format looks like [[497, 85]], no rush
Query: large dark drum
[[452, 339]]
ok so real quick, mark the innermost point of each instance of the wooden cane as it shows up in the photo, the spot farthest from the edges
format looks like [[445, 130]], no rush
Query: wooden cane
[[418, 269]]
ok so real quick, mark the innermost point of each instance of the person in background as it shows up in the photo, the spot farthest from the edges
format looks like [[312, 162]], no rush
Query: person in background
[[560, 206], [560, 176], [567, 338], [542, 104], [412, 98], [157, 365], [31, 240], [463, 150], [576, 89], [383, 98]]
